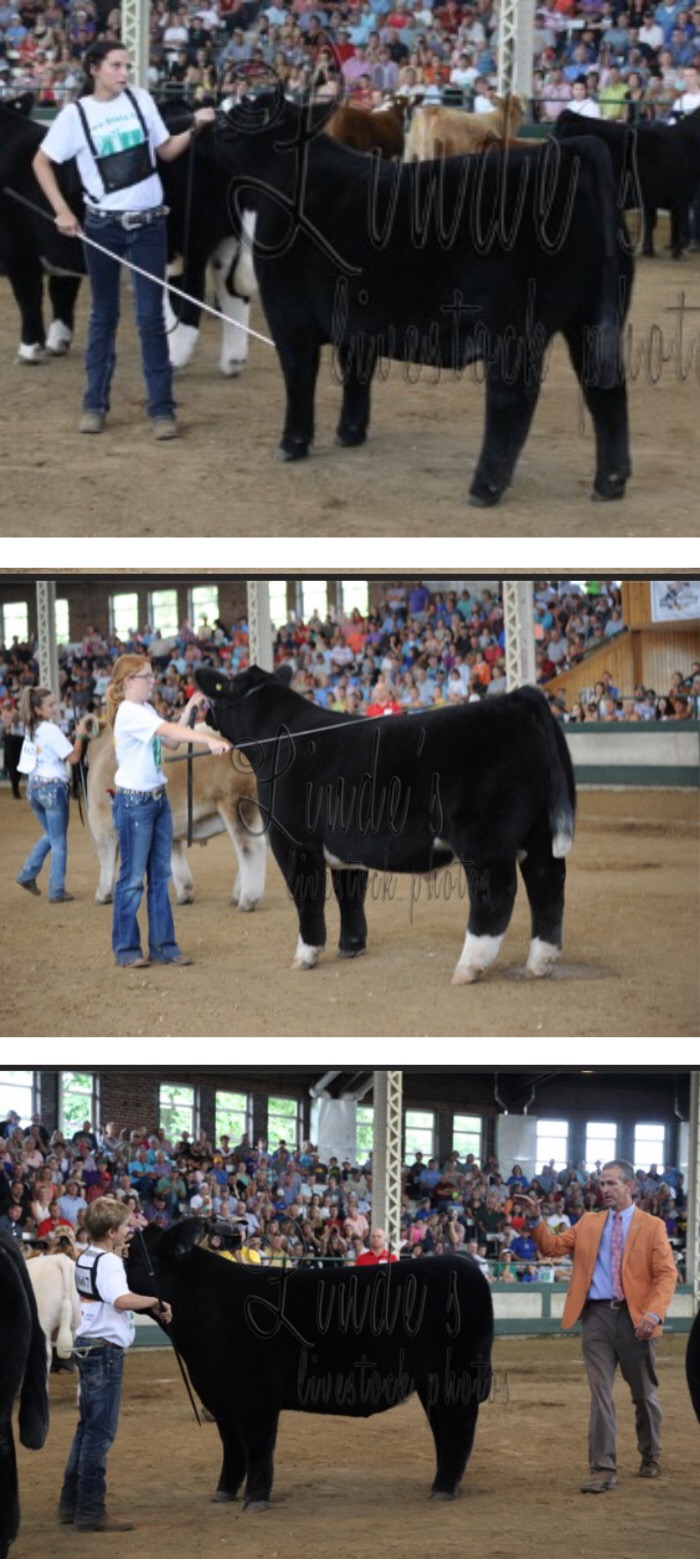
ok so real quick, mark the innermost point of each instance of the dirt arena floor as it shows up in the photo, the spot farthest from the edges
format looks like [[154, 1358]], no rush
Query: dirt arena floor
[[411, 478], [630, 964], [360, 1488]]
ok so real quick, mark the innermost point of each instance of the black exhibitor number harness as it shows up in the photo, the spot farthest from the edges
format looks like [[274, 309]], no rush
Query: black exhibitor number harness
[[120, 170]]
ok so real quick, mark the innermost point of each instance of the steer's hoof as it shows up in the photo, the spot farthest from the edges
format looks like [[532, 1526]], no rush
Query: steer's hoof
[[352, 952], [295, 449], [482, 496], [609, 489], [349, 438], [34, 353], [467, 976]]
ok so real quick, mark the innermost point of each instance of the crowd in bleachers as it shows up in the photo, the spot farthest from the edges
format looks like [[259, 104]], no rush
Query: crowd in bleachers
[[415, 648], [636, 59], [287, 1205]]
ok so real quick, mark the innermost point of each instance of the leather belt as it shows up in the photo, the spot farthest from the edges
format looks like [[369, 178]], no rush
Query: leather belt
[[154, 795], [129, 219], [613, 1304]]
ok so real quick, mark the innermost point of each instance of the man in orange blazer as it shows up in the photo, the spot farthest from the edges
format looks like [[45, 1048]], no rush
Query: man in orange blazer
[[622, 1282]]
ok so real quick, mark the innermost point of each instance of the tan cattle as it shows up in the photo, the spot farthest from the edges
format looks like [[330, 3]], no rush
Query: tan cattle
[[382, 129], [451, 132], [57, 1303], [224, 800]]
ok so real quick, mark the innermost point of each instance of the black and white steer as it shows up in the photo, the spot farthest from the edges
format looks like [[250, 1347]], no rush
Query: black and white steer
[[486, 785]]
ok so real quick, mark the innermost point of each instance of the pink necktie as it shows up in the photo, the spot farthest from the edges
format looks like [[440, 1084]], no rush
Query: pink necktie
[[617, 1257]]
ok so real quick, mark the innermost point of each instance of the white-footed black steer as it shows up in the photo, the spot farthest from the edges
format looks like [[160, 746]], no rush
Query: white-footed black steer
[[487, 785]]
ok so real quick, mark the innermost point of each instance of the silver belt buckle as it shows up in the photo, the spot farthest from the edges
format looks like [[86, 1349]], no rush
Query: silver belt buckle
[[132, 219]]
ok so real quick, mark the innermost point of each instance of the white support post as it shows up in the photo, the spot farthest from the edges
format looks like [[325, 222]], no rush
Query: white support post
[[692, 1239], [520, 633], [386, 1156], [516, 26], [135, 37], [259, 625], [46, 634]]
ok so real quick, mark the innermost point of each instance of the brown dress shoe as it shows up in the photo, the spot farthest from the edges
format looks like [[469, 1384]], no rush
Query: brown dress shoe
[[601, 1481], [106, 1524]]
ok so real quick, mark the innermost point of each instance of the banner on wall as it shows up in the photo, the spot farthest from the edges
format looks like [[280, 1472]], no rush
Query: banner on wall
[[675, 600]]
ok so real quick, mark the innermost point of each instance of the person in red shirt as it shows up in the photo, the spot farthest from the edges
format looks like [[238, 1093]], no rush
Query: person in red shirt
[[377, 1253], [53, 1223], [383, 702]]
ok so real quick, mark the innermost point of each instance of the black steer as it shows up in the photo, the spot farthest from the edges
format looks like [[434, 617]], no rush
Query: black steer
[[482, 784], [654, 165], [257, 1341], [692, 1364], [22, 1371], [447, 263], [30, 245]]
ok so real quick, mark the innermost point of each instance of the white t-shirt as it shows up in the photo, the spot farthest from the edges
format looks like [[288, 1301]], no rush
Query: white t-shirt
[[114, 126], [686, 103], [137, 747], [99, 1317], [586, 107], [52, 748]]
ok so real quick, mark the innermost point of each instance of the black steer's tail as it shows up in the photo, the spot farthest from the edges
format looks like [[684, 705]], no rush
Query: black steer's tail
[[561, 785], [34, 1396], [692, 1364]]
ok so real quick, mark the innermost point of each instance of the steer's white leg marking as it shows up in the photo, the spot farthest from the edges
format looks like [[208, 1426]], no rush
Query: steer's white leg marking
[[59, 338], [244, 278], [182, 877], [542, 957], [107, 846], [31, 354], [234, 342], [476, 957], [306, 956], [182, 340]]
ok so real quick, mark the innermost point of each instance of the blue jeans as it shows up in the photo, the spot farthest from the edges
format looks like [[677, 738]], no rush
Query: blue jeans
[[147, 247], [85, 1476], [49, 803], [145, 830]]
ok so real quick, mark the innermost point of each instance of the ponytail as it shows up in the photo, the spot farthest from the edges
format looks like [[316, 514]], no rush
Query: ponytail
[[126, 666], [31, 700]]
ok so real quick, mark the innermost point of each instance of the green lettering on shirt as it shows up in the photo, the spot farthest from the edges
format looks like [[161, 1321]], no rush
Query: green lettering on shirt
[[157, 750]]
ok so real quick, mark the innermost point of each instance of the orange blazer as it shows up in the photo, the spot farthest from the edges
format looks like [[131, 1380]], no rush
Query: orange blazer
[[649, 1273]]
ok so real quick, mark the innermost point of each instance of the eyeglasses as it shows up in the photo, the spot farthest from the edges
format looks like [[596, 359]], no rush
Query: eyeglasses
[[143, 676]]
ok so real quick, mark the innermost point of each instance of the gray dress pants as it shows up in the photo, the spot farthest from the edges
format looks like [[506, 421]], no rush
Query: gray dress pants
[[609, 1340]]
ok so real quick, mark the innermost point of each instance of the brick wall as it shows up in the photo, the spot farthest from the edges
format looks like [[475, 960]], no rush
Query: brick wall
[[88, 599]]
